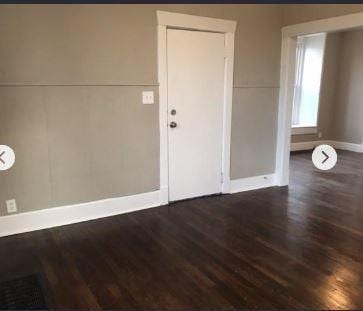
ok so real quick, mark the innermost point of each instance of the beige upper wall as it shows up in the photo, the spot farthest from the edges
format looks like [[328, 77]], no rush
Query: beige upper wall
[[109, 44], [67, 44], [300, 13]]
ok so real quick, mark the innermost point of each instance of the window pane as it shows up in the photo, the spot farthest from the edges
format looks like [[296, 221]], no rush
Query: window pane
[[306, 102]]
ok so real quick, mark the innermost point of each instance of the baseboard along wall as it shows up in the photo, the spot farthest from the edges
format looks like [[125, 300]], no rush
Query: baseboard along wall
[[64, 215], [309, 145], [70, 214]]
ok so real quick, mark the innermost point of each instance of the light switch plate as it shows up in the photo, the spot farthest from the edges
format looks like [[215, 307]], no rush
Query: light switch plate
[[148, 98], [11, 206]]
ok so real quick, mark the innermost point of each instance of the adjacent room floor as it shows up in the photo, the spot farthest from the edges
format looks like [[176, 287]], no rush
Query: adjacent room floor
[[296, 247]]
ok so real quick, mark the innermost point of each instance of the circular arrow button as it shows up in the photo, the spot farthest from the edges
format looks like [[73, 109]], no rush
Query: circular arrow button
[[324, 157], [7, 157]]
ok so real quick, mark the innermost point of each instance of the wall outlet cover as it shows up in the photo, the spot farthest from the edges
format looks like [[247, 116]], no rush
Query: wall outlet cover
[[11, 206], [148, 98]]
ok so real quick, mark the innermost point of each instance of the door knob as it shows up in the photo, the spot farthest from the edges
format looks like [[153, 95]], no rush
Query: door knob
[[173, 124]]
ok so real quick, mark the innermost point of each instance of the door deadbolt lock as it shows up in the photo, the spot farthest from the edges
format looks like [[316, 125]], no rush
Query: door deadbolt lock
[[173, 124], [173, 112]]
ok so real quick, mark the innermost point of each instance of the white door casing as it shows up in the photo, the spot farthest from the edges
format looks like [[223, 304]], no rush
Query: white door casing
[[168, 20], [195, 93]]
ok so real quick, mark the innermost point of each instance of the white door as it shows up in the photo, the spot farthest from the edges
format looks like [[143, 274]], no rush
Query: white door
[[195, 112]]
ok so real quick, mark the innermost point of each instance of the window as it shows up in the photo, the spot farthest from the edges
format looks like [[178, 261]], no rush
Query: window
[[309, 64]]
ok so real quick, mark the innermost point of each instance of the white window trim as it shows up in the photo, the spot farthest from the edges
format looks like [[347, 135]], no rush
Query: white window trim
[[287, 75], [303, 130], [183, 21], [297, 89]]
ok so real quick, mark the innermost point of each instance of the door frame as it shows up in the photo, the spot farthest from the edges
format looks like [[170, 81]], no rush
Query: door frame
[[287, 78], [191, 22]]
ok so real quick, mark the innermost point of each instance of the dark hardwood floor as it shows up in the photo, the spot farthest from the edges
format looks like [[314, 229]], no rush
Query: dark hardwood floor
[[296, 247]]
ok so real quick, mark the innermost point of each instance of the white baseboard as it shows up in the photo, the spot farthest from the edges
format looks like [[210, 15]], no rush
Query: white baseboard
[[226, 185], [252, 183], [309, 145], [70, 214], [348, 146], [306, 145], [164, 195], [64, 215]]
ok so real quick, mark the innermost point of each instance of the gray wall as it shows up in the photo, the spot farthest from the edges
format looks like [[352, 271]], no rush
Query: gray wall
[[71, 80], [348, 116]]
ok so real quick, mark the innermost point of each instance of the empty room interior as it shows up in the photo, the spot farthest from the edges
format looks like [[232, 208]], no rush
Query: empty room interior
[[108, 202]]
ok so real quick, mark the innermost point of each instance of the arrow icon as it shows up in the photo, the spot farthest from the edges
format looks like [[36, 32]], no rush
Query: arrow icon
[[2, 161], [326, 157], [7, 157]]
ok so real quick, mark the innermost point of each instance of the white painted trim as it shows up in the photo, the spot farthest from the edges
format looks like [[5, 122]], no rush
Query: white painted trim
[[175, 20], [322, 74], [65, 84], [348, 146], [338, 23], [307, 145], [286, 97], [252, 183], [310, 145], [296, 130], [163, 113], [64, 215], [227, 112], [300, 129], [287, 75]]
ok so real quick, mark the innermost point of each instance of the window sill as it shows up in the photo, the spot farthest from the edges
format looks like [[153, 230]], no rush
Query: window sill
[[297, 130]]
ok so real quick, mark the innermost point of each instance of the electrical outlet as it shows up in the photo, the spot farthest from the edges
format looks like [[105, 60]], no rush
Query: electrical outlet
[[11, 206]]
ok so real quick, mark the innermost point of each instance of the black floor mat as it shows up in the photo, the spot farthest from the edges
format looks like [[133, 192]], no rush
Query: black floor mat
[[22, 294]]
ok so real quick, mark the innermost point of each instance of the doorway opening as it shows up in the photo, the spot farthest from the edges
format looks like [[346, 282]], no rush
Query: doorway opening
[[301, 105]]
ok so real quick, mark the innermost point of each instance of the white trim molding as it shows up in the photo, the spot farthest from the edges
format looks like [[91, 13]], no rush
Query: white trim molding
[[253, 183], [302, 130], [340, 145], [183, 21], [348, 146], [287, 77], [75, 213], [65, 215], [344, 22], [177, 20], [308, 145], [163, 113]]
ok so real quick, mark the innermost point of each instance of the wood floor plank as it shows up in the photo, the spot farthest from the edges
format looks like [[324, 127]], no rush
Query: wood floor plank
[[296, 247]]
